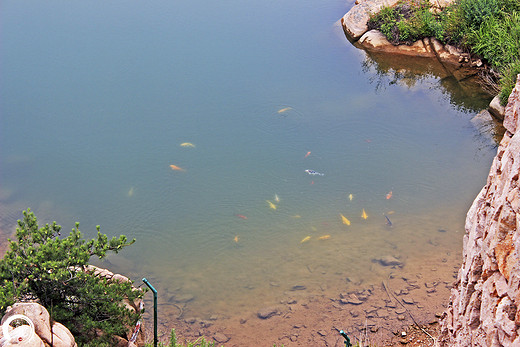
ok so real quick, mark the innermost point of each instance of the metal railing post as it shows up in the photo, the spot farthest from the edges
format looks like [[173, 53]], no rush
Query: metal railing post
[[154, 311]]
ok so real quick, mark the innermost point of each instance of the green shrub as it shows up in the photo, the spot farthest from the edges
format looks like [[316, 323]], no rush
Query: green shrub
[[475, 12], [498, 40], [508, 80], [407, 22], [41, 265]]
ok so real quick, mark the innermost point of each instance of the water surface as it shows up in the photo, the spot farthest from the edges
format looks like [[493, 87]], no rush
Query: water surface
[[97, 97]]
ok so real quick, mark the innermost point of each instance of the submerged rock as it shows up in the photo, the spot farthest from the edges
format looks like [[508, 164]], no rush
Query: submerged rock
[[267, 312], [182, 298], [221, 337], [388, 260]]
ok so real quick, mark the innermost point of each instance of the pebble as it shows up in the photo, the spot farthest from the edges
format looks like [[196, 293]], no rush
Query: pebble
[[267, 312], [191, 320], [243, 320], [400, 317], [374, 329], [221, 337], [298, 287], [408, 300], [391, 304], [205, 324], [322, 333]]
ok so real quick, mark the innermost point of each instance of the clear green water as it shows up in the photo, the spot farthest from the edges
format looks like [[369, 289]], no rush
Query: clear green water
[[97, 97]]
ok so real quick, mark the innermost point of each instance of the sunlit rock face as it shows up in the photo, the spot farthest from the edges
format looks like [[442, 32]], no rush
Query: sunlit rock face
[[484, 306]]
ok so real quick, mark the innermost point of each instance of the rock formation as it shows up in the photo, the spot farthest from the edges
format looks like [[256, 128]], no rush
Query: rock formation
[[50, 333], [484, 308], [46, 332]]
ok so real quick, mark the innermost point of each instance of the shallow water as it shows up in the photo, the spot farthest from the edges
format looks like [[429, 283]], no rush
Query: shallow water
[[96, 99]]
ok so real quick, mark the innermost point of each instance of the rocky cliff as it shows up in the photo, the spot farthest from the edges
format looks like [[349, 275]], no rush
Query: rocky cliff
[[484, 306]]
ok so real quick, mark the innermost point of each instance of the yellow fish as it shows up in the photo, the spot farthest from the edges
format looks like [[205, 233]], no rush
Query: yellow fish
[[364, 214], [176, 168], [324, 237], [350, 197], [131, 192], [314, 229], [271, 205], [276, 198], [296, 216], [236, 238], [305, 239], [282, 110], [344, 219], [187, 144]]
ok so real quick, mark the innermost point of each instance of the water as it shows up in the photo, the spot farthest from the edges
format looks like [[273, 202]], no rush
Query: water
[[97, 97]]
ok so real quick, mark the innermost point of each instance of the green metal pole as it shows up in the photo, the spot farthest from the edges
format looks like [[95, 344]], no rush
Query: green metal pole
[[154, 311]]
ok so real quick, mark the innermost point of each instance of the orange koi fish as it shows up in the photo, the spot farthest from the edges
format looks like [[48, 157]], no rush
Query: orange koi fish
[[364, 214], [305, 239], [308, 153], [324, 237], [236, 238], [344, 219], [176, 168], [389, 195], [285, 109], [241, 216], [350, 197]]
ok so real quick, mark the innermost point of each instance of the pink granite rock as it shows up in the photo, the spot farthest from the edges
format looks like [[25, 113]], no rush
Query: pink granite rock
[[485, 302]]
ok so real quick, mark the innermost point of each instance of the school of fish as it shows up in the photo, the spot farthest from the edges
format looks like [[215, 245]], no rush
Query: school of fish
[[273, 206]]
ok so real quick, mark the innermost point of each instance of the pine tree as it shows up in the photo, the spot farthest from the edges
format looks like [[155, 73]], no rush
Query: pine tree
[[40, 265]]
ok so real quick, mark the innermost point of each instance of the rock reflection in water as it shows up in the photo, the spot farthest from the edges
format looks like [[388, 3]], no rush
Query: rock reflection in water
[[463, 87]]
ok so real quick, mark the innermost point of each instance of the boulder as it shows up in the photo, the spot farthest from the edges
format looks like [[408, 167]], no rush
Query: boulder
[[21, 336], [59, 336], [374, 40], [496, 109], [37, 314]]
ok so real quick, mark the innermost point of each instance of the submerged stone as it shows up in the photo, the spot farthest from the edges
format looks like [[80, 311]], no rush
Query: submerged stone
[[267, 312]]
